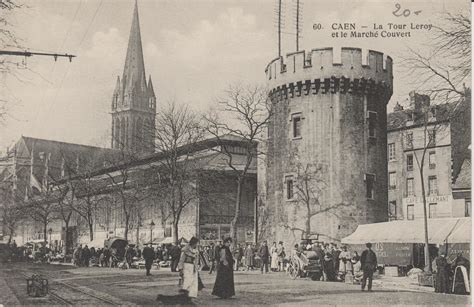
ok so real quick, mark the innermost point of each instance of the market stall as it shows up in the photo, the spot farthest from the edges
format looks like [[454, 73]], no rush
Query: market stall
[[399, 242]]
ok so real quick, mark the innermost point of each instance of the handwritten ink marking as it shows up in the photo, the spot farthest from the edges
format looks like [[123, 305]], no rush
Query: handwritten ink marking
[[398, 12]]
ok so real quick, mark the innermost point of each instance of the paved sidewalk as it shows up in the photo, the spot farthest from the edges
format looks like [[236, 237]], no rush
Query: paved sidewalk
[[400, 283]]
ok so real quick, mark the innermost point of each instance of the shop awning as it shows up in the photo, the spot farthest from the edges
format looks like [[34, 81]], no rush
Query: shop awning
[[440, 231], [167, 240]]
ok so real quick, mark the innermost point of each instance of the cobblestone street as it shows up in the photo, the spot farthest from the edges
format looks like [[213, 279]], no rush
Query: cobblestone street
[[97, 286]]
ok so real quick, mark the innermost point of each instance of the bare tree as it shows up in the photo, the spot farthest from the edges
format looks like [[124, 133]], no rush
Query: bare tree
[[13, 210], [43, 208], [443, 71], [64, 211], [126, 184], [245, 115], [178, 129], [308, 186]]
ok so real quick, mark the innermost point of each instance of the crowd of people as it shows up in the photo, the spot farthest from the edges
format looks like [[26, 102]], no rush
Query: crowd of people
[[337, 263], [126, 257]]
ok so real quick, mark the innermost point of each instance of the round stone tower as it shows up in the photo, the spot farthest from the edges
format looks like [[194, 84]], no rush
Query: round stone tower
[[326, 167]]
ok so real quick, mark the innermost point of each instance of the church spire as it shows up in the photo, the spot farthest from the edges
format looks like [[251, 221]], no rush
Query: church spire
[[134, 69], [151, 91]]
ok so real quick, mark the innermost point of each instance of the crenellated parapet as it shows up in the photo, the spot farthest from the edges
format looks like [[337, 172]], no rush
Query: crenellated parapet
[[323, 70], [333, 85]]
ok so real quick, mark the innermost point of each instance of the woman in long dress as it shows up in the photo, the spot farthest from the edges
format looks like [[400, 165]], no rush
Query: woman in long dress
[[345, 264], [249, 257], [274, 254], [224, 285], [188, 268]]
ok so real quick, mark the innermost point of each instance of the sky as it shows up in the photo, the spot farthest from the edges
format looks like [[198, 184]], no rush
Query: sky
[[193, 51]]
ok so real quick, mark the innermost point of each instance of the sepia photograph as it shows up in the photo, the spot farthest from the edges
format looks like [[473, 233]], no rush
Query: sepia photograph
[[235, 152]]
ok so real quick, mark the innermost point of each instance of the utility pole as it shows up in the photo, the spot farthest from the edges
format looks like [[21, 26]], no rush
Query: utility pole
[[279, 28], [29, 54], [298, 20]]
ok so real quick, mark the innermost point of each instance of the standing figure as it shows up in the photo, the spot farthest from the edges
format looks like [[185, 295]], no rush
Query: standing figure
[[345, 264], [149, 256], [329, 266], [368, 260], [86, 256], [188, 268], [264, 257], [128, 256], [336, 252], [106, 253], [238, 254], [138, 252], [216, 254], [274, 255], [281, 256], [77, 255], [158, 254], [249, 257], [442, 274], [224, 285], [175, 254], [357, 268]]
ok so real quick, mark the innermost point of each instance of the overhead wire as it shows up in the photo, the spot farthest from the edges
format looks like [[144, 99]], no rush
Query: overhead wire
[[80, 43], [54, 64]]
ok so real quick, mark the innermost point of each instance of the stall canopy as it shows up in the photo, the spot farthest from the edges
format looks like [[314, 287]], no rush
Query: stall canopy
[[440, 231], [169, 240]]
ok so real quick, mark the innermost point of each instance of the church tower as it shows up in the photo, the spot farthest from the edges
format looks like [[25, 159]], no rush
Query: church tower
[[134, 101]]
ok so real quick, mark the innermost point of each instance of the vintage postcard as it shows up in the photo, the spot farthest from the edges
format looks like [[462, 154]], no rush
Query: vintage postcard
[[271, 152]]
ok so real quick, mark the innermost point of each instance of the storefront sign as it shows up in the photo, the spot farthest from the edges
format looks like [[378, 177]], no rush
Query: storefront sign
[[429, 199], [390, 253]]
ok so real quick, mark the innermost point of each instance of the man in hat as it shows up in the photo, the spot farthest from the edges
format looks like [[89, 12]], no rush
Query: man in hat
[[264, 254], [149, 255], [368, 260]]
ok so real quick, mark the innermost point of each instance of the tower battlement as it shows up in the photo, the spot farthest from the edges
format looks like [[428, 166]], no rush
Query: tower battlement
[[322, 63]]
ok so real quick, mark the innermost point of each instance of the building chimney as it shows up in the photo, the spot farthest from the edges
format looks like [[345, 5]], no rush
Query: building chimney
[[398, 107], [418, 101]]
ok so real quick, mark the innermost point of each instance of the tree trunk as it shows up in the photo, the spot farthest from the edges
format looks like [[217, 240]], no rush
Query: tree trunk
[[10, 237], [423, 194], [91, 230], [66, 236], [138, 233], [125, 234], [175, 232], [425, 222], [308, 222], [45, 231], [233, 223]]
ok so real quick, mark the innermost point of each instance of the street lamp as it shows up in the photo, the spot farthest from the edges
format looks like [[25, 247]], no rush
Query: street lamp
[[151, 231]]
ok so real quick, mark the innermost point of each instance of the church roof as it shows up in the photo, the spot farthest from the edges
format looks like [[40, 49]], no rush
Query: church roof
[[88, 157], [134, 69]]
